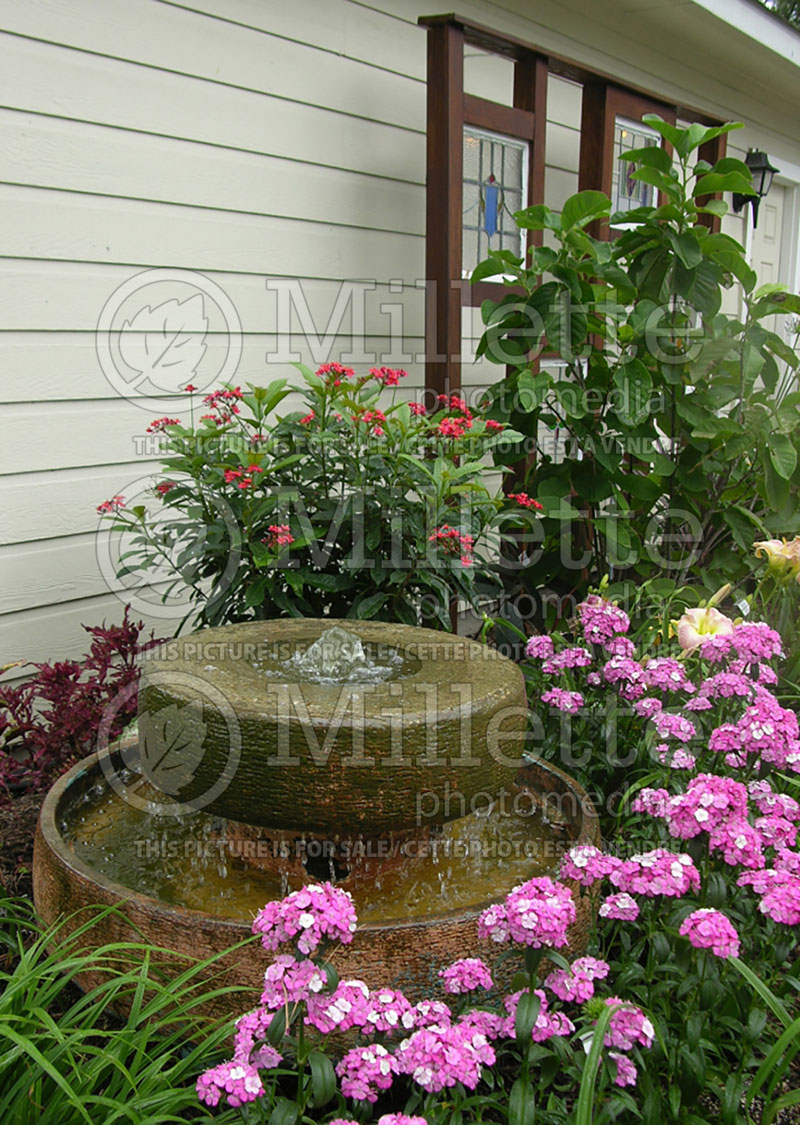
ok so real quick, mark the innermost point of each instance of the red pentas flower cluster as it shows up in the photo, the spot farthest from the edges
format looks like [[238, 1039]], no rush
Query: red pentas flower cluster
[[242, 478], [279, 535], [112, 505], [223, 404], [524, 500], [452, 542], [334, 373], [388, 376], [159, 425], [459, 418]]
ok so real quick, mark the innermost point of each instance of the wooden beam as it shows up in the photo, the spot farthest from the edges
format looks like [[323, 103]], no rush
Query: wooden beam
[[443, 208], [506, 119]]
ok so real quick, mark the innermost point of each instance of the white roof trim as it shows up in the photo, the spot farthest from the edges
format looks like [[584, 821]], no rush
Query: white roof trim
[[750, 18]]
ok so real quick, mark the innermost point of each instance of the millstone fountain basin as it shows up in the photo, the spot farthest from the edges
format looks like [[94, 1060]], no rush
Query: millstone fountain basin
[[385, 758]]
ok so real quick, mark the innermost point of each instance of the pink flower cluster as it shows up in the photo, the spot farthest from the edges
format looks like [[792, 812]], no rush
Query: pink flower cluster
[[388, 376], [576, 657], [248, 1045], [629, 1026], [766, 732], [439, 1056], [279, 536], [587, 864], [563, 700], [317, 911], [238, 1082], [539, 647], [710, 929], [466, 975], [536, 913], [620, 906], [752, 642], [601, 620], [578, 983], [657, 872], [364, 1071], [346, 1007], [779, 889], [288, 981]]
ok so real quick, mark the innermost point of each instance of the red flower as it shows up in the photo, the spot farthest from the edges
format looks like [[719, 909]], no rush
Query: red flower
[[190, 387], [165, 486], [492, 425], [525, 501], [112, 505], [335, 369], [389, 376], [417, 408], [453, 542], [159, 426], [453, 427], [279, 535], [308, 418], [224, 402]]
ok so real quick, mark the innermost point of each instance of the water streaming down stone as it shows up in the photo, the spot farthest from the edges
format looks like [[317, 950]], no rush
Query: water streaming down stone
[[386, 758]]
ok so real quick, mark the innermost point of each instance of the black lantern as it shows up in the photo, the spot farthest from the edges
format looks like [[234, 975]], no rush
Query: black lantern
[[762, 172]]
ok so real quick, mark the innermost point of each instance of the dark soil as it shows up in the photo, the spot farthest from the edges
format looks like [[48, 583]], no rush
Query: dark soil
[[18, 817]]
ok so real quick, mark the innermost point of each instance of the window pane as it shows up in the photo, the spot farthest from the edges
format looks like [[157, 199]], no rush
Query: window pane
[[495, 186], [627, 193]]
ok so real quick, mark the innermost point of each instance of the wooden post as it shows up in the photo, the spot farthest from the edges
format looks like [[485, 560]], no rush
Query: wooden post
[[443, 215]]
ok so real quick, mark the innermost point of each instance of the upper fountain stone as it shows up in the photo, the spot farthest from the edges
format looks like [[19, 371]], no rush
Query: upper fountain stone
[[331, 726]]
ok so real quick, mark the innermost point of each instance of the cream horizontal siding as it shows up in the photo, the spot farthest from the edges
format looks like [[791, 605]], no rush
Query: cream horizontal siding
[[140, 134]]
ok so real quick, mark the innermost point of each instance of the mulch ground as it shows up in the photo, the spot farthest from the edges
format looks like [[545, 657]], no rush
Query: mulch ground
[[18, 819]]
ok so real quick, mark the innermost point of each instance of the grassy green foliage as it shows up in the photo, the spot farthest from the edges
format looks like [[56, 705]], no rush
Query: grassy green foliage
[[69, 1057]]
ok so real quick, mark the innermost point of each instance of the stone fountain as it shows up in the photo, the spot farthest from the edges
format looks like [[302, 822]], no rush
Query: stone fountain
[[385, 758]]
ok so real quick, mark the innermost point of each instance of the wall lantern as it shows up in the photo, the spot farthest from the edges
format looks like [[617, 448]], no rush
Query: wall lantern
[[762, 173]]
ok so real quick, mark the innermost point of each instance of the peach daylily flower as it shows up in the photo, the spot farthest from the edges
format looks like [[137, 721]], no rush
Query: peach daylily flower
[[698, 624], [783, 558]]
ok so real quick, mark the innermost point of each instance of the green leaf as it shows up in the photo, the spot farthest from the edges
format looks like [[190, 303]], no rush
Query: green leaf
[[664, 183], [763, 990], [782, 454], [323, 1078], [284, 1113], [687, 247], [667, 131], [584, 208], [527, 1012], [498, 262], [367, 607], [632, 404], [715, 207], [777, 489], [537, 217], [713, 182], [521, 1103], [653, 156]]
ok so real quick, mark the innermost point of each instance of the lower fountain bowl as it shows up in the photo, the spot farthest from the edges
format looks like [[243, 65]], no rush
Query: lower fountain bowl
[[406, 954]]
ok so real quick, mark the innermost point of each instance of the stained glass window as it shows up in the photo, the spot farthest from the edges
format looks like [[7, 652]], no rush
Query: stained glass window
[[627, 193], [495, 186]]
